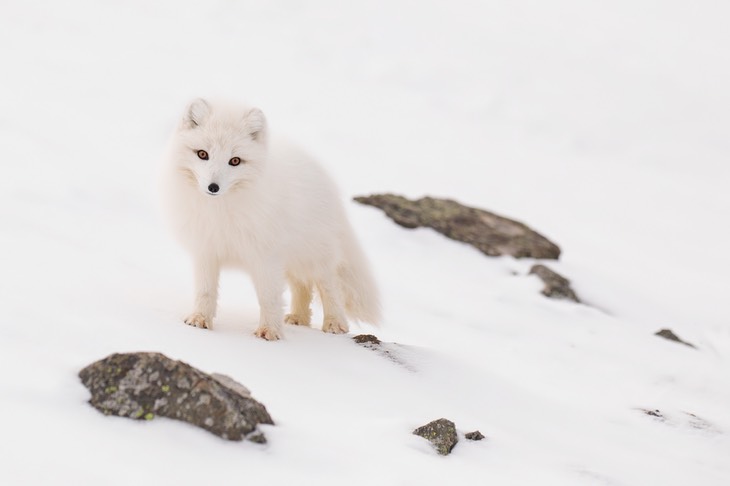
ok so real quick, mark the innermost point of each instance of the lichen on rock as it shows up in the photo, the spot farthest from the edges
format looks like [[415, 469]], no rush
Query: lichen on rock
[[143, 386]]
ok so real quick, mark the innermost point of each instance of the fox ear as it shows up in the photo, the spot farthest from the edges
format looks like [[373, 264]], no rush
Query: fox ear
[[256, 122], [196, 113]]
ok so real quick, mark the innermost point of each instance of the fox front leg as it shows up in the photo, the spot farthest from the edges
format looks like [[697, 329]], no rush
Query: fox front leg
[[269, 283], [207, 274]]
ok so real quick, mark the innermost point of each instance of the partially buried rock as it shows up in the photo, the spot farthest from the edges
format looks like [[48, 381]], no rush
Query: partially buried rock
[[491, 234], [145, 385], [391, 351], [653, 413], [366, 339], [441, 433], [669, 334], [556, 286]]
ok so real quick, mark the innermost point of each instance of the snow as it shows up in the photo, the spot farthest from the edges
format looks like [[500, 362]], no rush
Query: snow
[[602, 125]]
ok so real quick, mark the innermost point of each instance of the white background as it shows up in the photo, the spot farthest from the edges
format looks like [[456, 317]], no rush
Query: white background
[[603, 125]]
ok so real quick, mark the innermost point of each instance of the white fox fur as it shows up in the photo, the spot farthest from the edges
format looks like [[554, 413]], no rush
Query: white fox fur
[[276, 215]]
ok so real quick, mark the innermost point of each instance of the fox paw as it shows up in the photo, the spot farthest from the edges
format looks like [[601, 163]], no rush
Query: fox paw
[[199, 320], [267, 333], [335, 326], [297, 320]]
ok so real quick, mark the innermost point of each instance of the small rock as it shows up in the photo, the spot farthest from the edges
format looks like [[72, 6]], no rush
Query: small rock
[[489, 233], [556, 286], [145, 385], [257, 437], [441, 433], [668, 334], [654, 413], [476, 435], [366, 338]]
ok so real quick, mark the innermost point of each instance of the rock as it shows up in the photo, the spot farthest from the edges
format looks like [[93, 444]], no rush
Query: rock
[[668, 334], [366, 339], [654, 413], [146, 385], [441, 433], [556, 286], [491, 234], [476, 435]]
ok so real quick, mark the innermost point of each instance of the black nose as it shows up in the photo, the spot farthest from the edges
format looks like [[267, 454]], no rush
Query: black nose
[[213, 188]]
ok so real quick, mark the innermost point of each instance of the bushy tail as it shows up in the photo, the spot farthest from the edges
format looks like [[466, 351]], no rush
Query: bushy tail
[[362, 299]]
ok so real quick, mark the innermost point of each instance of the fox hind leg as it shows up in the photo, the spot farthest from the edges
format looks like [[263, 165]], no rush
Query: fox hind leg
[[332, 304], [301, 299]]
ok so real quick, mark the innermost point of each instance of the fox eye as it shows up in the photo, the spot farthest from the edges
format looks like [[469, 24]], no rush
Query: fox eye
[[202, 154], [234, 161]]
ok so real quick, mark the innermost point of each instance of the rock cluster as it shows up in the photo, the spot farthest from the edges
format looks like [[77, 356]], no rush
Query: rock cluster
[[442, 434], [489, 233]]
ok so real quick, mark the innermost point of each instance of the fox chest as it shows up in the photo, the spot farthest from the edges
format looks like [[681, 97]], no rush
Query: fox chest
[[217, 232]]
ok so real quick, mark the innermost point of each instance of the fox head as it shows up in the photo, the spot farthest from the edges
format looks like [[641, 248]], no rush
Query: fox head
[[221, 147]]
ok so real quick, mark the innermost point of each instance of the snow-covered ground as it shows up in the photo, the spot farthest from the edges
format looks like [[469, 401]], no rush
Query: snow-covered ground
[[603, 125]]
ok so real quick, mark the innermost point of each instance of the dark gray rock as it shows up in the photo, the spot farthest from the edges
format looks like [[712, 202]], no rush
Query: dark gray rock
[[476, 435], [491, 234], [654, 413], [441, 433], [366, 339], [668, 334], [556, 286], [143, 386]]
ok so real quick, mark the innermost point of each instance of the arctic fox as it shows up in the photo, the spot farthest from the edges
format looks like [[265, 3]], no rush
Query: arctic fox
[[238, 199]]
